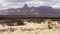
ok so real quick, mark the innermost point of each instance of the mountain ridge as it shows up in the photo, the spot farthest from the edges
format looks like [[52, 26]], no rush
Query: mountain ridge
[[43, 10]]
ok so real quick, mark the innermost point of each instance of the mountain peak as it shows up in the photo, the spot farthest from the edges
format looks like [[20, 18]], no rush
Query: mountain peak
[[25, 6]]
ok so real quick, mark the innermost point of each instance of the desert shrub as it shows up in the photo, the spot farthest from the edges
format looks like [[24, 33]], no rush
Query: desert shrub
[[49, 22]]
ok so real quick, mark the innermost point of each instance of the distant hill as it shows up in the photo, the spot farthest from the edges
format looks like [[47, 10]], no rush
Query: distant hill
[[42, 10]]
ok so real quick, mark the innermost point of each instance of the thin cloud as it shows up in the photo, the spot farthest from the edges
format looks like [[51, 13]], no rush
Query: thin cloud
[[17, 0], [57, 5], [20, 3]]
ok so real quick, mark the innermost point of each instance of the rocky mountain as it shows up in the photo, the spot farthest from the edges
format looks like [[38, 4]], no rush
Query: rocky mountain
[[42, 10]]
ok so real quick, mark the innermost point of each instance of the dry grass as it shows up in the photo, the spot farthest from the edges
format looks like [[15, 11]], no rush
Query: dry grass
[[30, 28]]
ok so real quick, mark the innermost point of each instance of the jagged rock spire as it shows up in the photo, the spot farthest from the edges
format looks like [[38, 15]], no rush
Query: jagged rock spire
[[25, 6]]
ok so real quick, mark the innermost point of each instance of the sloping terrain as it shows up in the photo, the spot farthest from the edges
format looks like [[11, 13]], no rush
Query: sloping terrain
[[43, 10]]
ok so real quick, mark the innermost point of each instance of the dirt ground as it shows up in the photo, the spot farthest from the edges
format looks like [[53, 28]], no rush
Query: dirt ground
[[30, 29]]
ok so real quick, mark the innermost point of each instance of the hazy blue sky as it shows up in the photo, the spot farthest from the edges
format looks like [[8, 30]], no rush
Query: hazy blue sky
[[5, 4]]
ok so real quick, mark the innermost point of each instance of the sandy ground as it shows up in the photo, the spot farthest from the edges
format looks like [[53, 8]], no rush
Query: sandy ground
[[30, 29]]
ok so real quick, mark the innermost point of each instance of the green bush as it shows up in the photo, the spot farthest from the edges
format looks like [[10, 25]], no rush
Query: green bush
[[49, 21]]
